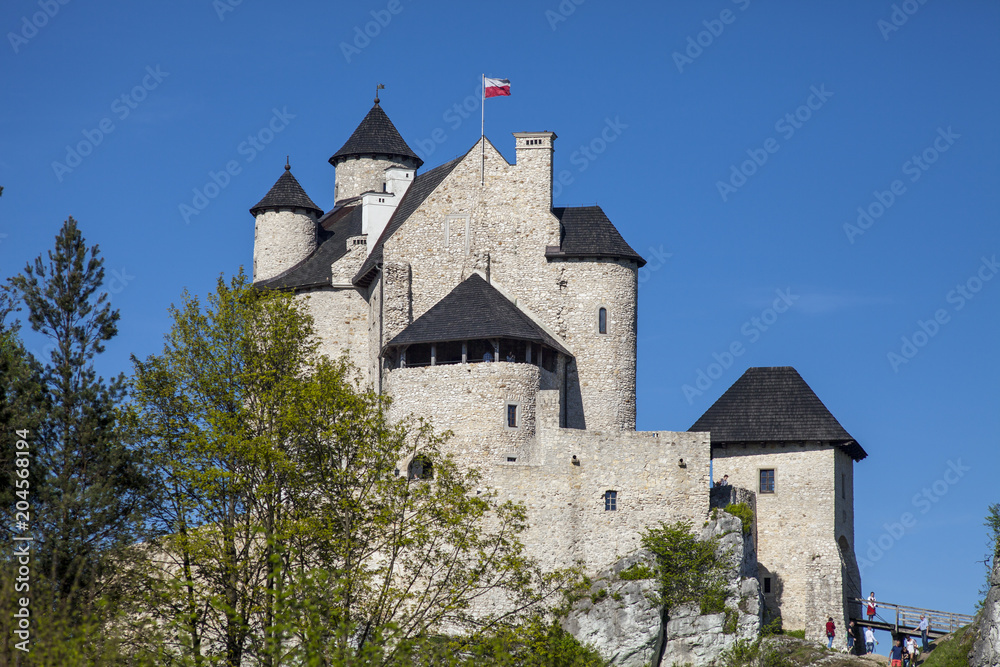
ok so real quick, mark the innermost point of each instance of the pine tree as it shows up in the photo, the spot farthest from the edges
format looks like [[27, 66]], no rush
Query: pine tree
[[86, 502]]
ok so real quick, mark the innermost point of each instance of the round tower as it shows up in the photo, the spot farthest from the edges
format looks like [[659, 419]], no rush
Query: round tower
[[285, 230], [375, 146]]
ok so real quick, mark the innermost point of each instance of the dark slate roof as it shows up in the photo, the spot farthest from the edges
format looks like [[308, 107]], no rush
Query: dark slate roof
[[774, 405], [474, 309], [585, 231], [422, 186], [376, 135], [286, 193], [335, 228]]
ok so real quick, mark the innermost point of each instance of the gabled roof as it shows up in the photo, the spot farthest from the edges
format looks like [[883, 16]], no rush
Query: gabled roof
[[474, 309], [286, 193], [422, 186], [774, 404], [376, 135], [585, 231], [335, 228]]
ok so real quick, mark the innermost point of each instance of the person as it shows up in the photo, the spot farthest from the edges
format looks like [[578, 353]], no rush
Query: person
[[510, 357], [488, 356], [924, 627], [850, 636], [870, 641], [724, 481], [896, 655], [871, 607], [911, 647], [906, 656], [831, 631]]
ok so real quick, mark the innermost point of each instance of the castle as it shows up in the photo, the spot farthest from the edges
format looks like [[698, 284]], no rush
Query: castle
[[467, 298]]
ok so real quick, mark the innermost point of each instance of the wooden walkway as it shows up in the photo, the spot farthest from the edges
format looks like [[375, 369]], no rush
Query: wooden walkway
[[902, 620]]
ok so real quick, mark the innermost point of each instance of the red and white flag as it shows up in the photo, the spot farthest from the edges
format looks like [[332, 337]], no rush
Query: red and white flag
[[496, 87]]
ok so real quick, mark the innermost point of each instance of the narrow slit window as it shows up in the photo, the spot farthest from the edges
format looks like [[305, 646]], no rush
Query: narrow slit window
[[767, 481], [602, 320], [512, 415], [767, 584], [610, 501]]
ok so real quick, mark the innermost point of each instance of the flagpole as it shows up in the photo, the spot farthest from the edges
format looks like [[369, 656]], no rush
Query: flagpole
[[482, 134]]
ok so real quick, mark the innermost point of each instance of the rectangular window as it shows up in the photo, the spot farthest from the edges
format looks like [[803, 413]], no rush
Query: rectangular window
[[767, 584], [610, 501], [767, 481], [602, 320], [511, 415], [843, 485]]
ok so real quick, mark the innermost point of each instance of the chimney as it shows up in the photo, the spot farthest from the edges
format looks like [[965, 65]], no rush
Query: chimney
[[534, 160]]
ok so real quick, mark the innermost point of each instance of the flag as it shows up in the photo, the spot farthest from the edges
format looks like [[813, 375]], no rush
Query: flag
[[496, 87]]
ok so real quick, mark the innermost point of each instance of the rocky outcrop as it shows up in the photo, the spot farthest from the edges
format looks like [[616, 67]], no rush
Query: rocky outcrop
[[986, 651], [628, 629]]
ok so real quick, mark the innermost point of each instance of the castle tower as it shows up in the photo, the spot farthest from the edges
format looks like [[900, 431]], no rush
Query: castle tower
[[285, 230], [772, 435], [375, 146]]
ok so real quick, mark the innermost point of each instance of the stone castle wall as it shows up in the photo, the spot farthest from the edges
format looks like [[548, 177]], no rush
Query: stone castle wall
[[798, 548], [341, 320], [356, 175], [282, 239], [504, 226]]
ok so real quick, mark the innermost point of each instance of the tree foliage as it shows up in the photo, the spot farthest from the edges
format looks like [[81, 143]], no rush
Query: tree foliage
[[284, 531], [686, 568]]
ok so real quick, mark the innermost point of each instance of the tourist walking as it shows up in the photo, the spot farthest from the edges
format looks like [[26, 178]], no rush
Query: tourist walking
[[896, 655], [870, 641], [831, 632], [850, 636], [871, 607], [924, 627], [911, 647]]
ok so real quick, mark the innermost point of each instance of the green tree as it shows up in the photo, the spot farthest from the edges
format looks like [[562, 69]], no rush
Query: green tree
[[286, 534], [687, 569]]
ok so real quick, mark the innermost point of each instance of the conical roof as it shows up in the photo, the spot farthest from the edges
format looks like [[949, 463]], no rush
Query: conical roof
[[376, 135], [774, 404], [286, 193]]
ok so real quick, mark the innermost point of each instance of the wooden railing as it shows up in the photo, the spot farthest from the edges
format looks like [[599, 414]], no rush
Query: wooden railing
[[906, 619]]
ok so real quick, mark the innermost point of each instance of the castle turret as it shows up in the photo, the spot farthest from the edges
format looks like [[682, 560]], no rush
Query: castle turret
[[375, 146], [534, 159], [285, 231]]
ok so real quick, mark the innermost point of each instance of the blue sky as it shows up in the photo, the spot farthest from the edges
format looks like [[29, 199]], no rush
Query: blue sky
[[744, 136]]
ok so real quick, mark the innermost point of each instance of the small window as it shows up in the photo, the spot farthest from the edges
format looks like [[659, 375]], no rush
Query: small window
[[610, 501], [767, 585], [511, 459], [602, 320], [512, 421], [767, 481], [420, 468], [843, 485]]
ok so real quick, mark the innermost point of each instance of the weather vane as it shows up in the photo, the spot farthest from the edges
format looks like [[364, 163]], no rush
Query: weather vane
[[378, 88]]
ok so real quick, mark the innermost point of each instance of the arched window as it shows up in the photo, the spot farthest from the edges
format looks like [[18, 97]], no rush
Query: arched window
[[602, 320], [420, 468]]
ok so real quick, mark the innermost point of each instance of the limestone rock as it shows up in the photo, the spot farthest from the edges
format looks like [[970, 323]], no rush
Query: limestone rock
[[986, 651]]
